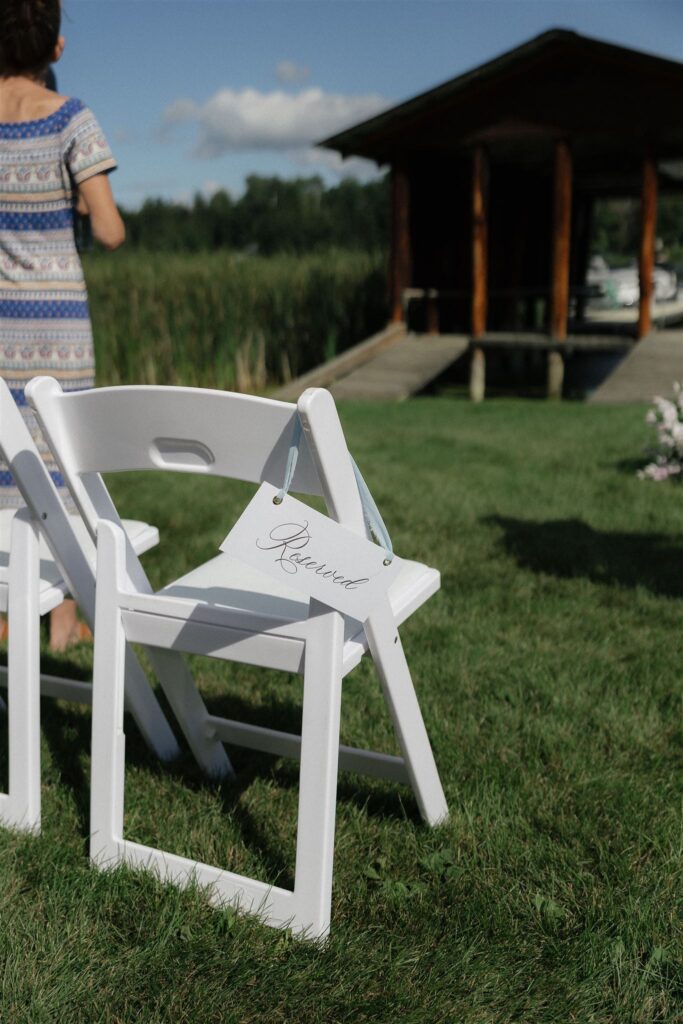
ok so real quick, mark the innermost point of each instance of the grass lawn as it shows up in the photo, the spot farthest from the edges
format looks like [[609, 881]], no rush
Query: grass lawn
[[549, 669]]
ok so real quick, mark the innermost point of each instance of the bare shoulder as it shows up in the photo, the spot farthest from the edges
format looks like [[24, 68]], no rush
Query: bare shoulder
[[48, 103], [27, 101]]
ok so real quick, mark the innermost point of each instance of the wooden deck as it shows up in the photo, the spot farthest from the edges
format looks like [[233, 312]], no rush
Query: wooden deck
[[392, 365], [404, 369], [649, 369]]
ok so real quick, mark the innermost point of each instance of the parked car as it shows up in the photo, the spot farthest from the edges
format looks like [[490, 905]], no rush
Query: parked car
[[621, 287], [666, 283]]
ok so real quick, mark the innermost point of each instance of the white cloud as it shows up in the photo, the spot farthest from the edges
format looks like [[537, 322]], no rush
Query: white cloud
[[329, 160], [251, 120], [290, 73]]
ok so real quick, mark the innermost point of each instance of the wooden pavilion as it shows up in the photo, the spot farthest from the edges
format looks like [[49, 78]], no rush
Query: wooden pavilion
[[494, 176]]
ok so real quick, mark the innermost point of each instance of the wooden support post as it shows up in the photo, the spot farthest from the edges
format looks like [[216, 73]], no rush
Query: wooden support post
[[432, 317], [477, 374], [555, 377], [400, 263], [559, 291], [648, 221], [479, 271], [479, 241]]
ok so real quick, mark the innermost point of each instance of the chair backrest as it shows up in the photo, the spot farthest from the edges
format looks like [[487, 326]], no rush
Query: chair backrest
[[72, 554], [192, 430]]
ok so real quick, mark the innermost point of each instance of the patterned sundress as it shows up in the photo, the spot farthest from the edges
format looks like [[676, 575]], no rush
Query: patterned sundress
[[44, 318]]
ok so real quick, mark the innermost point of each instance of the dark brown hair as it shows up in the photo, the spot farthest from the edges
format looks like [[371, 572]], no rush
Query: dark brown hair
[[29, 30]]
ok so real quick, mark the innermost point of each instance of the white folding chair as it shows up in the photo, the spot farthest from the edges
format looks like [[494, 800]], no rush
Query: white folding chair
[[45, 555], [225, 610]]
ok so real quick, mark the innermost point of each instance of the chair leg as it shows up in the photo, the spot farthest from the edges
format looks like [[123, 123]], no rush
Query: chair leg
[[397, 685], [318, 772], [23, 677], [191, 711], [140, 698], [108, 738]]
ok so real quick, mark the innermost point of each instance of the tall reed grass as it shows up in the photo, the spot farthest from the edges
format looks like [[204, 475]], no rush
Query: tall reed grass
[[228, 321]]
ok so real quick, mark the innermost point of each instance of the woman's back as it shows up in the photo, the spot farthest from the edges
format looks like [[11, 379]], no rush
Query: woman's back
[[52, 156], [42, 161], [44, 320], [24, 100]]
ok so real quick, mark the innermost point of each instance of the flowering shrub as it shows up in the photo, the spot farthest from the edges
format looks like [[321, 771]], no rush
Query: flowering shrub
[[667, 419]]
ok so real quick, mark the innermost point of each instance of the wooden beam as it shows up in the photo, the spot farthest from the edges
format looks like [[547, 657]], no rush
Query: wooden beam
[[562, 218], [648, 223], [399, 261], [479, 241]]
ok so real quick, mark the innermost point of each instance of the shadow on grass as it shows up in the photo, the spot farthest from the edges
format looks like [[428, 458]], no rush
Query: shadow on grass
[[569, 548], [377, 798], [630, 466], [67, 731]]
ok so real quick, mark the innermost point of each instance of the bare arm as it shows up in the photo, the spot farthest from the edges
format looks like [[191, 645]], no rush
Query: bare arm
[[107, 226]]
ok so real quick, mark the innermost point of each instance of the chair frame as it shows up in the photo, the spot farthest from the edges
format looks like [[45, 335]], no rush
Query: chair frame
[[127, 611], [45, 513]]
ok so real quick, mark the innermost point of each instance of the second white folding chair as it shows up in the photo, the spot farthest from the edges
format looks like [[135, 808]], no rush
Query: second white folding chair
[[225, 610], [45, 555]]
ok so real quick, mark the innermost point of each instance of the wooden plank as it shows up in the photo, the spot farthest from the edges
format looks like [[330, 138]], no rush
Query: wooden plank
[[400, 256], [562, 214], [525, 341], [647, 370], [341, 365], [648, 221], [402, 370]]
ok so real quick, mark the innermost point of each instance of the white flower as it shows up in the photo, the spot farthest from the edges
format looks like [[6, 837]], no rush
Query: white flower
[[667, 410], [667, 419]]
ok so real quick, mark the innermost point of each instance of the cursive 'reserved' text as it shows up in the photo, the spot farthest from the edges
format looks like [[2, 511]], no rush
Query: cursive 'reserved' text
[[289, 541]]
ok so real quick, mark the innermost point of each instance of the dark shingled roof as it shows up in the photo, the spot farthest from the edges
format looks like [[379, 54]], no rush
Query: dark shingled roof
[[604, 98]]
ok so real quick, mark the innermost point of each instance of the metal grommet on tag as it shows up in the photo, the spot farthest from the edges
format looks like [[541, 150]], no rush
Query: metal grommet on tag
[[277, 500], [387, 561]]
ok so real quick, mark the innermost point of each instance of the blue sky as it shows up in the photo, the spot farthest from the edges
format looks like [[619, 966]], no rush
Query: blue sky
[[196, 94]]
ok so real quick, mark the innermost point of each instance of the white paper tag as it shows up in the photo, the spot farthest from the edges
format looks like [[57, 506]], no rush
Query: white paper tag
[[311, 553]]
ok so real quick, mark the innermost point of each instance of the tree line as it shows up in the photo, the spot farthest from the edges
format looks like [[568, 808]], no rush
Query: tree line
[[302, 215], [273, 215]]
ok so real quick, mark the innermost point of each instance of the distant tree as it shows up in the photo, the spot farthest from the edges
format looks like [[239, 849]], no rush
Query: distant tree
[[358, 214], [670, 227], [273, 215], [220, 218], [616, 228]]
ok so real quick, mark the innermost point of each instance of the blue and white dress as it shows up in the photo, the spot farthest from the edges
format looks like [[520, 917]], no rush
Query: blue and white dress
[[44, 317]]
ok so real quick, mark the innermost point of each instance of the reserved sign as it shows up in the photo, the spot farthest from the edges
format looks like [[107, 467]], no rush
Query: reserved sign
[[311, 553]]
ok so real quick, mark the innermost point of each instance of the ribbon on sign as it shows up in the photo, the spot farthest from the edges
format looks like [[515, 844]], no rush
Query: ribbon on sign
[[371, 514]]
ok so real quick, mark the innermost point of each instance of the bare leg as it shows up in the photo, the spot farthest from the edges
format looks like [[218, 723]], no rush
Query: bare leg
[[65, 627]]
